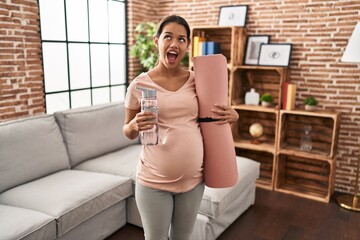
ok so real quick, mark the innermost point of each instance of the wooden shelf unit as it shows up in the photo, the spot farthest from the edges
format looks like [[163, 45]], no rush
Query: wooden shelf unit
[[231, 39], [283, 166], [311, 173], [266, 160], [264, 80]]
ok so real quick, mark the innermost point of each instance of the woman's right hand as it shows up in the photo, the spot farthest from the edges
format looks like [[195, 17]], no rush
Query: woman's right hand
[[143, 121], [136, 121]]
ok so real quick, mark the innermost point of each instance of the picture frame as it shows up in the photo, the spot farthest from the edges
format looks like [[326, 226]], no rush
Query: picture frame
[[253, 44], [275, 54], [233, 15]]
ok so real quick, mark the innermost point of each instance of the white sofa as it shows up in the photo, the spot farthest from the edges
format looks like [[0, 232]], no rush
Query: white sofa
[[70, 175]]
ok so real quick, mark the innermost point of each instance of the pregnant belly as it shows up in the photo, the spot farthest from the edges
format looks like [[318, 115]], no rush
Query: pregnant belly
[[177, 156]]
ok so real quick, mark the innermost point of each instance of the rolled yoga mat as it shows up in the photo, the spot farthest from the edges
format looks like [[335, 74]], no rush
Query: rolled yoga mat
[[211, 83]]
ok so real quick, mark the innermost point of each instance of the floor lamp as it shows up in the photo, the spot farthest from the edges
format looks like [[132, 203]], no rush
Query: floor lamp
[[352, 55]]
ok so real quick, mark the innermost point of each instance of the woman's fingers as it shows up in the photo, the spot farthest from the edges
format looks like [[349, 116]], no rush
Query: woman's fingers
[[145, 120], [225, 114]]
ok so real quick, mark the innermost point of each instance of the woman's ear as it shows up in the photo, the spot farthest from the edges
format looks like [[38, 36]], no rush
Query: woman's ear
[[156, 41]]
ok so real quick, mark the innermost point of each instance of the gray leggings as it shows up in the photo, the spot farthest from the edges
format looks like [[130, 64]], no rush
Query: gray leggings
[[160, 209]]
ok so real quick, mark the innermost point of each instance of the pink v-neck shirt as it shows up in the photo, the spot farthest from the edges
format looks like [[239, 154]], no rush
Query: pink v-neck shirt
[[176, 163]]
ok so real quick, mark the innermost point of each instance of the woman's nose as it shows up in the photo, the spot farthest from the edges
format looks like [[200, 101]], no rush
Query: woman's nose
[[174, 44]]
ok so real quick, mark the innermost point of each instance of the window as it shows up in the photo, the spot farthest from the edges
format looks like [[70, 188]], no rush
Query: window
[[84, 52]]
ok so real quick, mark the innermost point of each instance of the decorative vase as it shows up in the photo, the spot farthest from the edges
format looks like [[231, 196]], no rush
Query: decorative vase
[[305, 141], [310, 108], [252, 97]]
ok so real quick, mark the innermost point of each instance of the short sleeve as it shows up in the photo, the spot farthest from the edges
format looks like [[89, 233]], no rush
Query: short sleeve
[[132, 97]]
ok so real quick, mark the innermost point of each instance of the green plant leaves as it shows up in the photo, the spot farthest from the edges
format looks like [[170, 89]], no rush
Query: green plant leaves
[[144, 48]]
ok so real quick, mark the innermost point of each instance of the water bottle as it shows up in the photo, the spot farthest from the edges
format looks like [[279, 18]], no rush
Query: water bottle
[[149, 104]]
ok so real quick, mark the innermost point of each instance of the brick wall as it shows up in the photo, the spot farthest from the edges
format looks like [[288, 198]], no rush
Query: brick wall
[[138, 11], [21, 78], [319, 31]]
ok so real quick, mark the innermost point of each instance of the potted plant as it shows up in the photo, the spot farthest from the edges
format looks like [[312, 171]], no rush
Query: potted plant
[[266, 100], [144, 47], [310, 103]]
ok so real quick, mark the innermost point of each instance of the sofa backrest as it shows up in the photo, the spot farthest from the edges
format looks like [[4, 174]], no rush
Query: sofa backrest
[[30, 148], [93, 131]]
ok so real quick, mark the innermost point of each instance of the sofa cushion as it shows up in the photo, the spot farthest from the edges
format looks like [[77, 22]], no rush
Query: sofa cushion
[[122, 162], [30, 148], [70, 196], [216, 200], [19, 223], [93, 131]]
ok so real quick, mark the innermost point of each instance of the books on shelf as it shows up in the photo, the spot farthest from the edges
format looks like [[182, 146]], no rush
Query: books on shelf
[[203, 47], [197, 42], [289, 96], [212, 48]]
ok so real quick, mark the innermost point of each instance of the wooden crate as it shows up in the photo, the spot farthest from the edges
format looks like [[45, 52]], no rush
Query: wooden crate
[[262, 79], [324, 133], [241, 134], [231, 39], [305, 177], [266, 160]]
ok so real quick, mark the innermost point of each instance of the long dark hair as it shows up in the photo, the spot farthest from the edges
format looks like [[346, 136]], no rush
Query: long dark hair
[[173, 19]]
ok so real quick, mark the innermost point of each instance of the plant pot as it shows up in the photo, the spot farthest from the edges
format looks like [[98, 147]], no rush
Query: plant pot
[[266, 104], [310, 108]]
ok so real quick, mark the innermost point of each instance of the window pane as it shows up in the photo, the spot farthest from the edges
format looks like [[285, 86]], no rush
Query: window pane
[[80, 98], [99, 65], [98, 20], [57, 102], [79, 65], [116, 22], [118, 94], [77, 20], [55, 67], [85, 54], [52, 19], [117, 64], [101, 95]]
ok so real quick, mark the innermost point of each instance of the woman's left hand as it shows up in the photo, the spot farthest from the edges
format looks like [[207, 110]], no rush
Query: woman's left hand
[[225, 114]]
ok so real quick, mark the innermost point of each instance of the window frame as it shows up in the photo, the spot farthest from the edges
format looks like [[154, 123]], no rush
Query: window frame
[[109, 85]]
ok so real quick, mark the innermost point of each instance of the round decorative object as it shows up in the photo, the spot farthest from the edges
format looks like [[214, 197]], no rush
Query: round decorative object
[[256, 130]]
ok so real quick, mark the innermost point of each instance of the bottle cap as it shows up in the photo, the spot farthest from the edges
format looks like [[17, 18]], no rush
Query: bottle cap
[[147, 92]]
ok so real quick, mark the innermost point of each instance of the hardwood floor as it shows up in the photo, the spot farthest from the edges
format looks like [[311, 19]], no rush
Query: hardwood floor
[[276, 216]]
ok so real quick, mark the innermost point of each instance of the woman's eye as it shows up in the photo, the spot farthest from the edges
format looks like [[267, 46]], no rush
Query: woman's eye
[[182, 40], [167, 37]]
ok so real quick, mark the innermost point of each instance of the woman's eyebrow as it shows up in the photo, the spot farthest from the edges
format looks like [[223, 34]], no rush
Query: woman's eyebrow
[[173, 34]]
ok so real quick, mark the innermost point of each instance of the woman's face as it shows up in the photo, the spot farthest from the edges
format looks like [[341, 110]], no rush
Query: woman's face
[[172, 44]]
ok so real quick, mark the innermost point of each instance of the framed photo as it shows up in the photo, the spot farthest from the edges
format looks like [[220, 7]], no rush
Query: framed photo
[[253, 44], [233, 15], [275, 54]]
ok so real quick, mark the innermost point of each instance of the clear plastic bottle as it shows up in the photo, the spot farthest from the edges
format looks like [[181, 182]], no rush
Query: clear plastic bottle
[[306, 141], [149, 104]]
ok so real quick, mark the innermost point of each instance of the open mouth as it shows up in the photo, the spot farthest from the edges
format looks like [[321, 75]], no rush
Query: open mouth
[[171, 55]]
